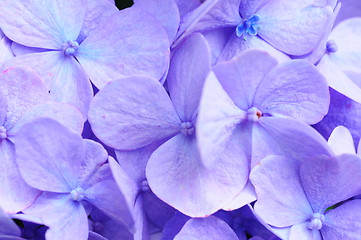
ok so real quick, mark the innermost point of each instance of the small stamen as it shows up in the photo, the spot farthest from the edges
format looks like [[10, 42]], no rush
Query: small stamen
[[187, 128], [253, 114], [70, 47], [77, 194], [331, 46], [248, 27], [316, 221]]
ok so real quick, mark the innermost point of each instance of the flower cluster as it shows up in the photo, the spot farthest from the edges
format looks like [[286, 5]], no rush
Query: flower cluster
[[180, 119]]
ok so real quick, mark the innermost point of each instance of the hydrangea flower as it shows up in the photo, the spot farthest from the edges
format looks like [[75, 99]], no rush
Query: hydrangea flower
[[267, 25], [252, 107], [297, 195], [341, 63], [73, 176], [23, 97], [66, 62], [141, 113]]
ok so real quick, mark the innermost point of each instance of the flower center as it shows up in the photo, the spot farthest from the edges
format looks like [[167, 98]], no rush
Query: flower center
[[77, 194], [316, 221], [331, 46], [70, 47], [187, 128], [253, 114], [3, 134], [144, 186], [248, 27]]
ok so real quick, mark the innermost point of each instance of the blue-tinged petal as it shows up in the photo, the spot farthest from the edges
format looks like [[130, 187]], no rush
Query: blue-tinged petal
[[340, 141], [19, 49], [339, 80], [281, 199], [204, 229], [65, 114], [42, 23], [65, 218], [293, 138], [124, 49], [236, 45], [49, 155], [15, 193], [294, 89], [97, 11], [133, 112], [3, 109], [7, 226], [6, 51], [241, 77], [210, 15], [247, 8], [349, 10], [217, 121], [247, 195], [189, 68], [330, 180], [165, 11], [176, 175], [22, 89], [107, 197], [302, 232], [66, 81], [299, 23], [186, 6], [343, 222]]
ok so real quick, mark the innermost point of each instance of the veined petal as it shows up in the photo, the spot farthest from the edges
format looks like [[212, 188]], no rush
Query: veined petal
[[298, 23], [123, 49], [16, 194], [217, 120], [66, 81], [22, 89], [281, 199], [189, 68], [133, 112], [294, 89], [330, 180], [302, 232], [49, 155], [176, 175], [42, 23]]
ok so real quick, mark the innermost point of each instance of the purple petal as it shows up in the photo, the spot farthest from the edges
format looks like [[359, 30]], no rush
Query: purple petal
[[42, 23], [186, 6], [277, 25], [6, 51], [65, 218], [65, 79], [165, 11], [302, 232], [287, 137], [49, 155], [176, 175], [241, 77], [15, 193], [294, 89], [207, 228], [124, 49], [247, 195], [217, 121], [247, 8], [65, 114], [343, 222], [340, 141], [133, 112], [7, 226], [330, 180], [107, 197], [189, 67], [281, 200], [3, 109], [22, 89]]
